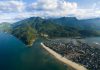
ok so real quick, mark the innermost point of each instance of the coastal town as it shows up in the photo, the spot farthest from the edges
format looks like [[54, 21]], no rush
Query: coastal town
[[76, 50]]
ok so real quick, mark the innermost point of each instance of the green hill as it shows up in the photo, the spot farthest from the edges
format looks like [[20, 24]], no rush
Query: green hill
[[29, 29]]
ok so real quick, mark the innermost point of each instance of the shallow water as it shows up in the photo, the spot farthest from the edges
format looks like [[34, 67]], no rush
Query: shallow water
[[14, 55]]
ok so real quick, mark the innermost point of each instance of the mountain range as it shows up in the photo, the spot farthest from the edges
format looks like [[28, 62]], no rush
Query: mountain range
[[31, 28]]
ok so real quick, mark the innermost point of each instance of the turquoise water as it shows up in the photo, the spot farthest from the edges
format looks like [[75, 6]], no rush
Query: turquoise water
[[14, 55]]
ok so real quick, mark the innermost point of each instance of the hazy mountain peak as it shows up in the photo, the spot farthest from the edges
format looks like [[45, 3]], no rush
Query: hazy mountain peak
[[74, 18]]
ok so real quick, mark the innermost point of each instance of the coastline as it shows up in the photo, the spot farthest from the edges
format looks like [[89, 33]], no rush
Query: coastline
[[29, 45], [63, 59]]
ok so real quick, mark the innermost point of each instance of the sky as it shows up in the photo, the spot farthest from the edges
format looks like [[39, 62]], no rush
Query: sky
[[16, 10]]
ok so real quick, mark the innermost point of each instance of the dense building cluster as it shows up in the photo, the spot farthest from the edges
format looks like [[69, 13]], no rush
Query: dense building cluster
[[77, 51]]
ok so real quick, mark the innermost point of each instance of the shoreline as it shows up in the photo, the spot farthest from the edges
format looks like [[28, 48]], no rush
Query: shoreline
[[63, 59], [30, 45]]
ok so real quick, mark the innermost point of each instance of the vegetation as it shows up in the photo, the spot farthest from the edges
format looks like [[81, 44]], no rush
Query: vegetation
[[27, 34], [27, 30]]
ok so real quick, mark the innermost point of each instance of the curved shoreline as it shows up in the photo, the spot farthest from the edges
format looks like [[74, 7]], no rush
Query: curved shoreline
[[63, 59]]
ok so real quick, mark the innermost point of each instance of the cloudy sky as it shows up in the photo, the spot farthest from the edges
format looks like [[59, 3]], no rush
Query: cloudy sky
[[15, 10]]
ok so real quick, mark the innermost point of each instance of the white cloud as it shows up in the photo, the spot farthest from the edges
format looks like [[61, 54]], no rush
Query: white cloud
[[5, 17], [11, 6], [59, 8], [12, 10], [87, 13], [54, 7], [45, 4]]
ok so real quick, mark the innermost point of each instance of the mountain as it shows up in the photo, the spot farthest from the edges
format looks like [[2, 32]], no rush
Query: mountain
[[91, 23], [5, 27], [81, 24], [65, 21], [29, 29]]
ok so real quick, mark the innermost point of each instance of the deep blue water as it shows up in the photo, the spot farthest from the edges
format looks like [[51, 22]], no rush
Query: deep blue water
[[14, 55]]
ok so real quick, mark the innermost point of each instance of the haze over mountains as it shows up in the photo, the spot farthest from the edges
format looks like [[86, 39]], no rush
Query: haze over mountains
[[29, 29], [71, 21], [5, 27]]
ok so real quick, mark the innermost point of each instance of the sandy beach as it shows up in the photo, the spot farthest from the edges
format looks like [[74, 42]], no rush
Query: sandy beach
[[63, 59]]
